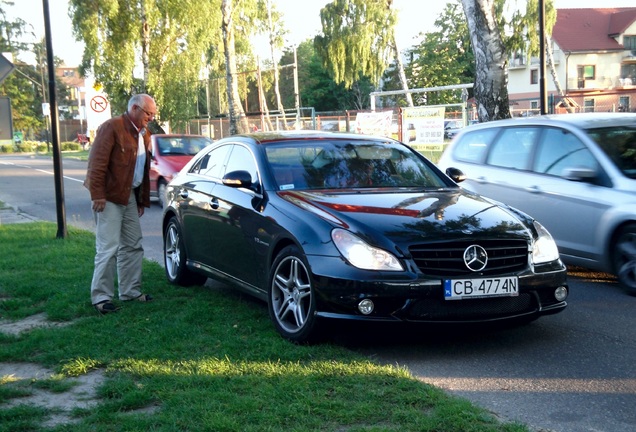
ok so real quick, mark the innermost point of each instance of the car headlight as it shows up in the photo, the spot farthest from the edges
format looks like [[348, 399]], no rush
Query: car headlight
[[544, 248], [362, 255]]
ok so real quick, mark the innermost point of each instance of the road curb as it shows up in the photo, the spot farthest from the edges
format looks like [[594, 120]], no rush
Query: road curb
[[8, 215]]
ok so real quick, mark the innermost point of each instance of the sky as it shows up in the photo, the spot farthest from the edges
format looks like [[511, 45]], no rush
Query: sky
[[301, 17]]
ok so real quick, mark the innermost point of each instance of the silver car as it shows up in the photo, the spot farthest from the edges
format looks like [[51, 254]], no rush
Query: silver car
[[574, 173]]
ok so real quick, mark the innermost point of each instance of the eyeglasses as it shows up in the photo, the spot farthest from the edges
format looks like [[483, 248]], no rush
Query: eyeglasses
[[151, 115]]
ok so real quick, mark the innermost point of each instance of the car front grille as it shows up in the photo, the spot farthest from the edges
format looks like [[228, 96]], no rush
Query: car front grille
[[446, 259], [471, 309]]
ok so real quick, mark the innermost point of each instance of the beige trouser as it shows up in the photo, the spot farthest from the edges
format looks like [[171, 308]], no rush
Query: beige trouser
[[118, 244]]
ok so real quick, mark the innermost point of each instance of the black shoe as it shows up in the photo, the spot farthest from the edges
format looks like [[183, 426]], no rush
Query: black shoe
[[144, 298], [105, 307]]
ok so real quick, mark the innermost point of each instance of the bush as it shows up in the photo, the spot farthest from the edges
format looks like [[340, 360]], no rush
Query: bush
[[38, 146], [6, 148], [25, 147], [70, 146]]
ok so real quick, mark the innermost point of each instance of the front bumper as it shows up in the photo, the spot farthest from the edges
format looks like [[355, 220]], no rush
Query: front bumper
[[409, 297]]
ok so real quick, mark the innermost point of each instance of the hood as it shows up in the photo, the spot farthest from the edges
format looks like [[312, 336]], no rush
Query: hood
[[404, 217], [176, 162]]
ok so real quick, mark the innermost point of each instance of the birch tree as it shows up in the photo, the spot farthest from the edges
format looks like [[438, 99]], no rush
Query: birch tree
[[491, 69], [238, 121]]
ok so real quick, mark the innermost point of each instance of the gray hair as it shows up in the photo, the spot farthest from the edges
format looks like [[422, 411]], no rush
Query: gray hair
[[138, 99]]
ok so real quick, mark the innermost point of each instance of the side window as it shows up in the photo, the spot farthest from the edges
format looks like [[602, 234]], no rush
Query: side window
[[473, 145], [561, 149], [241, 159], [513, 147], [212, 163]]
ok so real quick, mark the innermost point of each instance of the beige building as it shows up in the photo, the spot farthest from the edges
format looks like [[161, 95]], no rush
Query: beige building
[[594, 52]]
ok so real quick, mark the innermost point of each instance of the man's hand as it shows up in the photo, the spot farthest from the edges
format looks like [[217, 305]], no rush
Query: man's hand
[[99, 205], [140, 210]]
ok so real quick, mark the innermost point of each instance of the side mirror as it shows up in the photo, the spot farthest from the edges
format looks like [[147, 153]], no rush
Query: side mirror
[[579, 174], [238, 179], [456, 174]]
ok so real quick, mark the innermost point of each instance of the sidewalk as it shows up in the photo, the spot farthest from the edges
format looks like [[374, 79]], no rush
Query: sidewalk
[[8, 215]]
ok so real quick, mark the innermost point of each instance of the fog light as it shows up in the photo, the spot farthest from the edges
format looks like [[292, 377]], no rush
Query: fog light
[[366, 307], [560, 293]]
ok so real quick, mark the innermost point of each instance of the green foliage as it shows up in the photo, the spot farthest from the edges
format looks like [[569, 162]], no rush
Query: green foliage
[[318, 89], [356, 39], [524, 28], [173, 39], [165, 48], [444, 57]]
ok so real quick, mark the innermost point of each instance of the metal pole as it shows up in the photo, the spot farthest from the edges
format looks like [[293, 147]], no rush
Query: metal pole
[[55, 123], [543, 95], [207, 101], [296, 92], [79, 109]]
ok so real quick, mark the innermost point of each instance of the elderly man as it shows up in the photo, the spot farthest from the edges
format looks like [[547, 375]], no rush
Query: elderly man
[[118, 181]]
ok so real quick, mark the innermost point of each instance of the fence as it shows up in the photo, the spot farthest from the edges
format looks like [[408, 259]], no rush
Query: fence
[[343, 121]]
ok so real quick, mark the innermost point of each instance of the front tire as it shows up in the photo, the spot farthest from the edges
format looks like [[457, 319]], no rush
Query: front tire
[[174, 257], [292, 303], [624, 258]]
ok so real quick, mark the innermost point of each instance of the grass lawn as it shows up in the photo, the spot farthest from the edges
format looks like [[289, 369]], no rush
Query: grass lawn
[[197, 359]]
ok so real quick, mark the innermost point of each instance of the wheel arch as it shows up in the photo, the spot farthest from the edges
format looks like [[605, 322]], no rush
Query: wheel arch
[[611, 242]]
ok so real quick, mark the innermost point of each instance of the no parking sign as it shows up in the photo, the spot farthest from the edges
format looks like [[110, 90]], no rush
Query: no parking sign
[[98, 106]]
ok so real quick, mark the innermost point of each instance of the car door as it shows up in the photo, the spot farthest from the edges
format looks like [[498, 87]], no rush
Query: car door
[[195, 199], [504, 174], [237, 219], [571, 209]]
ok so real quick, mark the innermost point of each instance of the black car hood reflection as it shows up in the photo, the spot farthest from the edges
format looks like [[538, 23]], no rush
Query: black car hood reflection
[[399, 215]]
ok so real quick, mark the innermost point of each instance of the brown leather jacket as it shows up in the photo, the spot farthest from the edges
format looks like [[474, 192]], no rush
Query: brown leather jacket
[[111, 163]]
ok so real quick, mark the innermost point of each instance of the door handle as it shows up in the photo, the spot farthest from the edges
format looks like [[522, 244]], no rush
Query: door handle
[[183, 193], [214, 203], [533, 189]]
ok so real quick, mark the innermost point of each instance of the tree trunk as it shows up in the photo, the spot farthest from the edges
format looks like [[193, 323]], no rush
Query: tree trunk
[[550, 63], [238, 121], [279, 101], [491, 74], [401, 73], [145, 46], [266, 122]]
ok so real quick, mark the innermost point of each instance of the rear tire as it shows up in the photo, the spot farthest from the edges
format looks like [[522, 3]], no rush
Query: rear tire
[[624, 258], [174, 257], [291, 299]]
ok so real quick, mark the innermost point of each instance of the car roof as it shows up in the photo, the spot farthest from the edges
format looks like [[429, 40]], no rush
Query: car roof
[[579, 120], [178, 135], [295, 135]]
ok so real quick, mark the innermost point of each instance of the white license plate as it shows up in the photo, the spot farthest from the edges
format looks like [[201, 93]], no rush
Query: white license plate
[[456, 289]]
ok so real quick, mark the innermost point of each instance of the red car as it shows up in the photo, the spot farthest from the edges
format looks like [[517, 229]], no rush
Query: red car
[[170, 152]]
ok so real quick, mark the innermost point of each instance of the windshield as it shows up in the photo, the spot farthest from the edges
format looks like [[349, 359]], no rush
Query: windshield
[[181, 145], [346, 164], [619, 143]]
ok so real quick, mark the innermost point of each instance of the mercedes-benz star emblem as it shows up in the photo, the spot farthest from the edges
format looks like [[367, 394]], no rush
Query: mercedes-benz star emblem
[[475, 258]]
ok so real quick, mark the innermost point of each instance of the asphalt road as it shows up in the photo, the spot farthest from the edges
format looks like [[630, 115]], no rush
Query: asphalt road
[[570, 372]]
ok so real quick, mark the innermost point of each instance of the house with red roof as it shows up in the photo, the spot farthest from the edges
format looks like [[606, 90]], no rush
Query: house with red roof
[[594, 52]]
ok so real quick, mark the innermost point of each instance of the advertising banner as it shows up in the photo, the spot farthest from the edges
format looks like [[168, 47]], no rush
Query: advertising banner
[[423, 127], [374, 123]]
